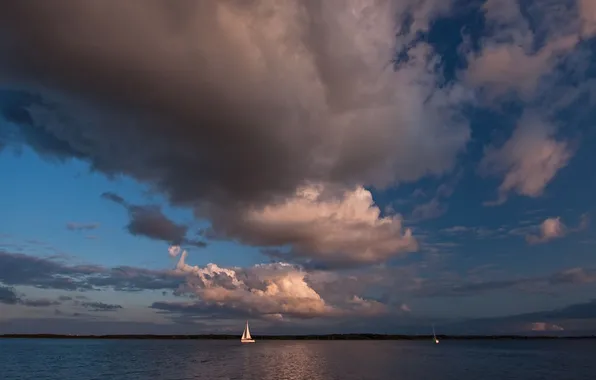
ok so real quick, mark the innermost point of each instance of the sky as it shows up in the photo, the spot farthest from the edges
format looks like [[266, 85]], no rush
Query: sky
[[346, 166]]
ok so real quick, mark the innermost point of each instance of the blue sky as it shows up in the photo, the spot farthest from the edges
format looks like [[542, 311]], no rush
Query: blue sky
[[310, 186]]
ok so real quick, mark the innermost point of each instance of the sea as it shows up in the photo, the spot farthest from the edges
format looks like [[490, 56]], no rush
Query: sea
[[57, 359]]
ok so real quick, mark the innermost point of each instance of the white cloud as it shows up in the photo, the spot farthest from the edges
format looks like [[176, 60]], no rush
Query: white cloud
[[529, 160], [174, 251], [327, 226], [275, 291]]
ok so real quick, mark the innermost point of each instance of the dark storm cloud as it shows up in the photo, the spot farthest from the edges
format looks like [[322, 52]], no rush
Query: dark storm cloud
[[149, 221], [19, 269], [205, 103]]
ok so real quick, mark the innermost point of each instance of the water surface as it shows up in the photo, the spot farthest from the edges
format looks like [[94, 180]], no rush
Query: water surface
[[50, 359]]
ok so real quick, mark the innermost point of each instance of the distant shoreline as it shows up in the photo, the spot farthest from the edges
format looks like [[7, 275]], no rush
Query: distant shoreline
[[297, 337]]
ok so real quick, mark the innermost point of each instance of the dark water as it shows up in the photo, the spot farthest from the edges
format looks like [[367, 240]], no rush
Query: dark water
[[280, 360]]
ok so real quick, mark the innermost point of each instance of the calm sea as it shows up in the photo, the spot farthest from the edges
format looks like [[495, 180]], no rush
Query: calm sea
[[41, 359]]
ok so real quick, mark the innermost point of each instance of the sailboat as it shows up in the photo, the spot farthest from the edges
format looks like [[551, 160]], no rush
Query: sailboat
[[246, 338], [435, 336]]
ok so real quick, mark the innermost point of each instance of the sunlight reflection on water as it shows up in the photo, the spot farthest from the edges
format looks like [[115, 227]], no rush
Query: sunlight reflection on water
[[293, 360]]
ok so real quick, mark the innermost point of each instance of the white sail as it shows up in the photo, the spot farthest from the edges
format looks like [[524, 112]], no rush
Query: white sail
[[246, 333], [246, 338]]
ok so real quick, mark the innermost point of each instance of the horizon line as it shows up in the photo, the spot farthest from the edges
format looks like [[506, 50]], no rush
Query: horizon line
[[339, 336]]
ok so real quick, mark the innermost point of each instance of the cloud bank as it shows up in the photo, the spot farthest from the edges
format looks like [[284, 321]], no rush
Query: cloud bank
[[274, 291]]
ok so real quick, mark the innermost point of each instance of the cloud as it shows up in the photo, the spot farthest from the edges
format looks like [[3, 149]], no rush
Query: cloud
[[8, 296], [543, 326], [42, 302], [435, 207], [522, 48], [587, 11], [198, 310], [174, 251], [83, 325], [430, 210], [274, 291], [551, 228], [584, 222], [149, 221], [73, 226], [528, 55], [344, 228], [47, 273], [100, 306], [20, 269], [529, 160], [556, 319], [238, 105], [465, 288], [457, 229], [574, 276]]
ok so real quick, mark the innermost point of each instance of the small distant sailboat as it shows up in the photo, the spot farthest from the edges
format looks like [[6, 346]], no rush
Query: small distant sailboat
[[435, 336], [246, 338]]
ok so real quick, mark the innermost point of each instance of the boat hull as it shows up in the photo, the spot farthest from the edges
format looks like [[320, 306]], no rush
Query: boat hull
[[247, 340]]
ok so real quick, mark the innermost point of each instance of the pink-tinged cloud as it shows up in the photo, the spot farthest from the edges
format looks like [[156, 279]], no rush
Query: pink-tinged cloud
[[331, 227], [500, 68], [551, 228], [587, 11], [529, 160], [509, 61], [277, 291], [544, 326], [575, 276]]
